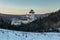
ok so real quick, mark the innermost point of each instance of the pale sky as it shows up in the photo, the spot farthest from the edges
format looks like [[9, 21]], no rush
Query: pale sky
[[24, 6]]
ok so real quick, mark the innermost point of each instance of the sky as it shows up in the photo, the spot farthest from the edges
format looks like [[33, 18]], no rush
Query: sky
[[24, 6]]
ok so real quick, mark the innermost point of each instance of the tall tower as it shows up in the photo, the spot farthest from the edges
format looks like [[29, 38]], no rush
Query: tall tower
[[31, 15]]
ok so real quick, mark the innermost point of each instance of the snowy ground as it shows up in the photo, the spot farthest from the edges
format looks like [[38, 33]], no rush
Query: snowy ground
[[17, 35]]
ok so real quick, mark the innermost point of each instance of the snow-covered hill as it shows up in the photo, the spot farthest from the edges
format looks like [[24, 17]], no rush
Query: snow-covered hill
[[17, 35]]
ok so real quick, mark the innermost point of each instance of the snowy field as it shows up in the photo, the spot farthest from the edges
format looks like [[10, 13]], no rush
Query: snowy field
[[17, 35]]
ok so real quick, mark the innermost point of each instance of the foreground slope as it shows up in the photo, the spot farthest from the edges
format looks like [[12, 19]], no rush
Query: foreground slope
[[18, 35]]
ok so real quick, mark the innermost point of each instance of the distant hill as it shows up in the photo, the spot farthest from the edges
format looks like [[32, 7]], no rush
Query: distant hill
[[19, 16]]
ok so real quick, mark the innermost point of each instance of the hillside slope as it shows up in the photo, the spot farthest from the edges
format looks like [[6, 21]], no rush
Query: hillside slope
[[47, 24]]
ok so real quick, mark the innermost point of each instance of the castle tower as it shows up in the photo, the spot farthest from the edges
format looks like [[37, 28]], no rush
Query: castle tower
[[31, 15]]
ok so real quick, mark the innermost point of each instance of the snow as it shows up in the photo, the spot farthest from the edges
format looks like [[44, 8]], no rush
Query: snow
[[19, 35]]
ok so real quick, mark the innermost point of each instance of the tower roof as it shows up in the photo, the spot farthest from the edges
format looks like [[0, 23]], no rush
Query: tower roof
[[31, 11]]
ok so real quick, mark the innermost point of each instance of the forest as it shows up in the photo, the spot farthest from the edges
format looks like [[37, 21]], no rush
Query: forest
[[50, 23]]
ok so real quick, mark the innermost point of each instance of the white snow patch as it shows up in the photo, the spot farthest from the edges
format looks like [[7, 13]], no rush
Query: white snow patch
[[18, 35]]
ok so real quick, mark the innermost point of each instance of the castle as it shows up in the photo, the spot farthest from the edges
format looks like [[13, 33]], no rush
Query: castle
[[29, 18]]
